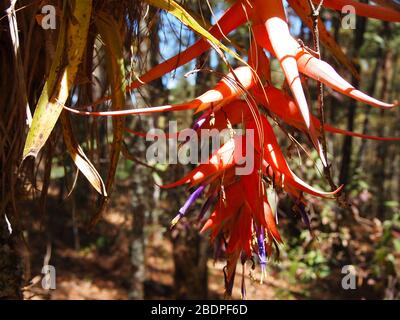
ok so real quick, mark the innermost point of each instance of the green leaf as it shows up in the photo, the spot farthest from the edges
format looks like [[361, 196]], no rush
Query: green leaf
[[69, 53], [187, 19], [78, 156], [70, 49]]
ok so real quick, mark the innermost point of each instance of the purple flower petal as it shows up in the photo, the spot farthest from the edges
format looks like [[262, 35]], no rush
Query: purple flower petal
[[192, 198], [198, 123], [261, 250], [189, 202]]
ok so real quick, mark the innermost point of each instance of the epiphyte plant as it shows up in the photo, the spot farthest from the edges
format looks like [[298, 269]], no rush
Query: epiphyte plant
[[242, 222]]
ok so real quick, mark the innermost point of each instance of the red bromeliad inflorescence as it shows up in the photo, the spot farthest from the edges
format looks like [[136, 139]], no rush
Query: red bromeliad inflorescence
[[241, 220]]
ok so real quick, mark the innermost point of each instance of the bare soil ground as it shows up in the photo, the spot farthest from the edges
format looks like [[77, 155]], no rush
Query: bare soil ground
[[95, 265]]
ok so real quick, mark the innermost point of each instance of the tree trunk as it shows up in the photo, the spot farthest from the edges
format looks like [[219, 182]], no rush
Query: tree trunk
[[191, 248], [190, 258], [380, 173], [345, 170], [145, 195], [371, 90]]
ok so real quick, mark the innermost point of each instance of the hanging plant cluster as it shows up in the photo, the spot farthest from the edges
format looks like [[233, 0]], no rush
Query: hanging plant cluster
[[241, 220]]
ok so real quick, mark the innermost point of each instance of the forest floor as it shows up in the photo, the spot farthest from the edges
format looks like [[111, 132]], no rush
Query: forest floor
[[96, 265]]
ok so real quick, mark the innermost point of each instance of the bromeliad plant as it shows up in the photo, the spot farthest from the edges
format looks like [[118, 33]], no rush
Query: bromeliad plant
[[242, 222]]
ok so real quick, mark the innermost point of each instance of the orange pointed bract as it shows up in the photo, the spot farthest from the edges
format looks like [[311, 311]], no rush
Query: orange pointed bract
[[323, 72]]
